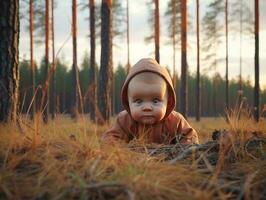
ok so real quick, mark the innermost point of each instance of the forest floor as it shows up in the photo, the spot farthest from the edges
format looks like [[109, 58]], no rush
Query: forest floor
[[64, 160]]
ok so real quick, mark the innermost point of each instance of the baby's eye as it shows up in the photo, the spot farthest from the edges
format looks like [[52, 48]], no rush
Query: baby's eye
[[156, 100], [138, 101]]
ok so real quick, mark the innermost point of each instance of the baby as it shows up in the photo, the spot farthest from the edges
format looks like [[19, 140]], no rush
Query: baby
[[149, 100]]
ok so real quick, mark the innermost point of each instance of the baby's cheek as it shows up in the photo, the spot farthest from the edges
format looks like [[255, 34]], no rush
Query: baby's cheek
[[161, 113], [134, 114]]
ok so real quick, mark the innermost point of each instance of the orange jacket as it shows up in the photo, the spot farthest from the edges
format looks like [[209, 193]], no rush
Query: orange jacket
[[172, 128]]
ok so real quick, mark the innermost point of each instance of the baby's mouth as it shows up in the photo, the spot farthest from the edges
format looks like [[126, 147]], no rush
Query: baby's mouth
[[148, 119], [147, 116]]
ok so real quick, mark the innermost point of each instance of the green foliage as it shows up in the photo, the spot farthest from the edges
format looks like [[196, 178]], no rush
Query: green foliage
[[60, 76], [63, 79], [210, 86], [24, 70], [173, 29], [84, 73], [119, 24], [212, 27], [85, 79], [39, 22], [38, 18], [151, 21], [40, 75], [25, 85], [119, 78], [176, 30], [241, 15], [118, 18]]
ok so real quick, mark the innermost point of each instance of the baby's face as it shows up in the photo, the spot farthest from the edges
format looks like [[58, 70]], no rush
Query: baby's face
[[147, 96]]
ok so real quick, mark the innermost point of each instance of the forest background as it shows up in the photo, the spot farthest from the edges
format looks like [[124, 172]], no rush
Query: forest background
[[212, 80], [63, 158]]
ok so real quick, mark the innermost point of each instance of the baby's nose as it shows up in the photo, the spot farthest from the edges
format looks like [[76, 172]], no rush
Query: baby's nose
[[147, 107]]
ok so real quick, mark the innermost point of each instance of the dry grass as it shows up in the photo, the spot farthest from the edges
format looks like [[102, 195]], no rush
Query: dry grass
[[207, 125], [64, 160]]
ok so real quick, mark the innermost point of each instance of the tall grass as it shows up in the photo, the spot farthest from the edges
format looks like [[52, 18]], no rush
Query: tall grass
[[64, 160]]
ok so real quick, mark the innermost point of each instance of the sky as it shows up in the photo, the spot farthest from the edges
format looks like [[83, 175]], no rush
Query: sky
[[139, 29]]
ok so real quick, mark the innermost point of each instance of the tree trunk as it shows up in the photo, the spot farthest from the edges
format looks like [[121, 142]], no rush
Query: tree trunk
[[183, 92], [32, 65], [128, 62], [202, 91], [75, 95], [9, 51], [173, 40], [106, 69], [257, 86], [226, 56], [53, 93], [215, 94], [64, 97], [93, 102], [45, 89], [198, 99], [240, 90], [157, 31]]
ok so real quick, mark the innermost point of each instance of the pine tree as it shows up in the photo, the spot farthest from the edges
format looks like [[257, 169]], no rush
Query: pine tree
[[106, 67], [9, 72], [92, 75], [198, 94], [75, 78], [53, 81], [154, 21], [183, 89], [45, 89], [119, 78], [257, 83], [32, 65], [226, 56], [128, 51], [173, 17], [212, 27], [242, 24]]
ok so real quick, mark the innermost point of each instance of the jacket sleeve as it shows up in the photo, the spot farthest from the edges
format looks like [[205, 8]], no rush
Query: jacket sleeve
[[119, 131], [185, 134]]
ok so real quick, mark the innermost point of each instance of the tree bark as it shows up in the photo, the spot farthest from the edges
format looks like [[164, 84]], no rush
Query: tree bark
[[9, 54], [45, 89], [198, 99], [183, 92], [106, 69], [157, 31], [173, 40], [32, 65], [93, 102], [53, 92], [226, 56], [240, 90], [75, 95], [128, 52], [257, 82]]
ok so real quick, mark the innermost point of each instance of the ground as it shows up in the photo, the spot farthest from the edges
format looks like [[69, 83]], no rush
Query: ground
[[64, 160]]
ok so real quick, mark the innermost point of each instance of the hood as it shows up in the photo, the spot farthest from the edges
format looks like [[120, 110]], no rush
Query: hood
[[149, 65]]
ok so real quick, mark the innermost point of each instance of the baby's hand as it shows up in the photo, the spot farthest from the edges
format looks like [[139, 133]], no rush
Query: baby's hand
[[185, 138]]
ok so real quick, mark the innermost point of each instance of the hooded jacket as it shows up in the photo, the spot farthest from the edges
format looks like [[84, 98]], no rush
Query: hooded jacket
[[171, 129]]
